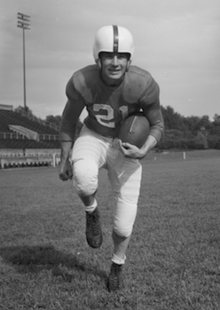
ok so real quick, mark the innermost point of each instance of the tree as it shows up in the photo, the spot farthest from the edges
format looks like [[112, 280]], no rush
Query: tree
[[172, 120], [24, 111], [56, 120], [215, 126], [201, 138], [216, 118]]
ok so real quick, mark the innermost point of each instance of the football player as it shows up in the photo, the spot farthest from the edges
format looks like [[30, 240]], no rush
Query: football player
[[110, 90]]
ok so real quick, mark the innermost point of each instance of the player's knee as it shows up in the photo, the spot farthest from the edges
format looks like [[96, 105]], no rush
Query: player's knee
[[85, 177], [123, 229]]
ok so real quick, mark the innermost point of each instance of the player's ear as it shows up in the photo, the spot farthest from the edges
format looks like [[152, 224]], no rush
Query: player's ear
[[128, 65], [98, 62]]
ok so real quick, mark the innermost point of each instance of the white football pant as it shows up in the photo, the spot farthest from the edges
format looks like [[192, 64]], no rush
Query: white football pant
[[91, 152]]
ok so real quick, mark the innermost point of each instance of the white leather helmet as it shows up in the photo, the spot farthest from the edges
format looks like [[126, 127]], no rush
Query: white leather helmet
[[113, 39]]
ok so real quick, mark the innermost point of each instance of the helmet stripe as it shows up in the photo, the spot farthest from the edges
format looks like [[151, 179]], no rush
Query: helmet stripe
[[115, 39]]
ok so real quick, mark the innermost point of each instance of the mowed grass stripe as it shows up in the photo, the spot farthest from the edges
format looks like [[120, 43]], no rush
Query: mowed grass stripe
[[173, 261]]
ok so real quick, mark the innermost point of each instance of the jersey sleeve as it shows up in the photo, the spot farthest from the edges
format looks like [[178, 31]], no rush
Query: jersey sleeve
[[150, 104], [71, 112]]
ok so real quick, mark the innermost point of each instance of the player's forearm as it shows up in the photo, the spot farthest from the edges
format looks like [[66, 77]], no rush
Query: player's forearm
[[133, 151], [66, 143], [154, 115], [157, 130], [148, 145], [67, 134], [65, 149]]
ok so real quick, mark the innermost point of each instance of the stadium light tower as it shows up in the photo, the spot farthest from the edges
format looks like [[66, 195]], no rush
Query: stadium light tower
[[24, 23]]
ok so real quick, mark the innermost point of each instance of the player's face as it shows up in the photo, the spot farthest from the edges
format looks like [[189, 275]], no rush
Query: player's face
[[113, 67]]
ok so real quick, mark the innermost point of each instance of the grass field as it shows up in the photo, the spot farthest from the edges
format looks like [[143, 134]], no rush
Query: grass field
[[173, 261]]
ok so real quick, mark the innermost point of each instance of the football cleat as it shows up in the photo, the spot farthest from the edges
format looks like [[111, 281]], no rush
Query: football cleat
[[115, 279], [93, 229]]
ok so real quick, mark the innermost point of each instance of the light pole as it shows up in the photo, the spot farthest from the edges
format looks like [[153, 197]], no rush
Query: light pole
[[24, 23]]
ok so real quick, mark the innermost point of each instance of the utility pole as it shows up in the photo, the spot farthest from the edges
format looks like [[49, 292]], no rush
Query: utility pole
[[24, 23]]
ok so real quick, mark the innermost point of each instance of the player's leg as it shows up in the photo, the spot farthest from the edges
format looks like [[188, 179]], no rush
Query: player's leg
[[126, 207], [126, 179], [88, 156]]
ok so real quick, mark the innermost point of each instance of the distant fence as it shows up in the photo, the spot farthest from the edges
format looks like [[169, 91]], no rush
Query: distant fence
[[15, 135], [173, 155], [29, 161]]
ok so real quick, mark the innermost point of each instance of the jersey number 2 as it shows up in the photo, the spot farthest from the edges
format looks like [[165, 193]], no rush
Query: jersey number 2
[[108, 119]]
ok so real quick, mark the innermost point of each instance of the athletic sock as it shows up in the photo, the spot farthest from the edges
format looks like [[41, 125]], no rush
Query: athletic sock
[[91, 208], [117, 260]]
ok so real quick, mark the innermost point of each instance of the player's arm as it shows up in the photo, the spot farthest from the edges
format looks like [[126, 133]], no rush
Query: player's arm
[[154, 116], [150, 143], [132, 151], [70, 116], [150, 104]]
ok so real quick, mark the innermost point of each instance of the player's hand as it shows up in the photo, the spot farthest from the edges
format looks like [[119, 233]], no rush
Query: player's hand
[[66, 170], [130, 150]]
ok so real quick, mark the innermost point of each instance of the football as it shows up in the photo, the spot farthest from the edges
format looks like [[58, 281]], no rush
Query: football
[[135, 129]]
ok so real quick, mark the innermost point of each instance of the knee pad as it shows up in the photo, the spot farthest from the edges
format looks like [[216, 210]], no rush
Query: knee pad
[[124, 219], [123, 229], [85, 177]]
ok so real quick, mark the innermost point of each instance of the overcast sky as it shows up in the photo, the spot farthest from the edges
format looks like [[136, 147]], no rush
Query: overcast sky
[[177, 41]]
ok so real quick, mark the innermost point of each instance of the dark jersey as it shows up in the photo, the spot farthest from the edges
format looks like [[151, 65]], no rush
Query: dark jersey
[[108, 106]]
